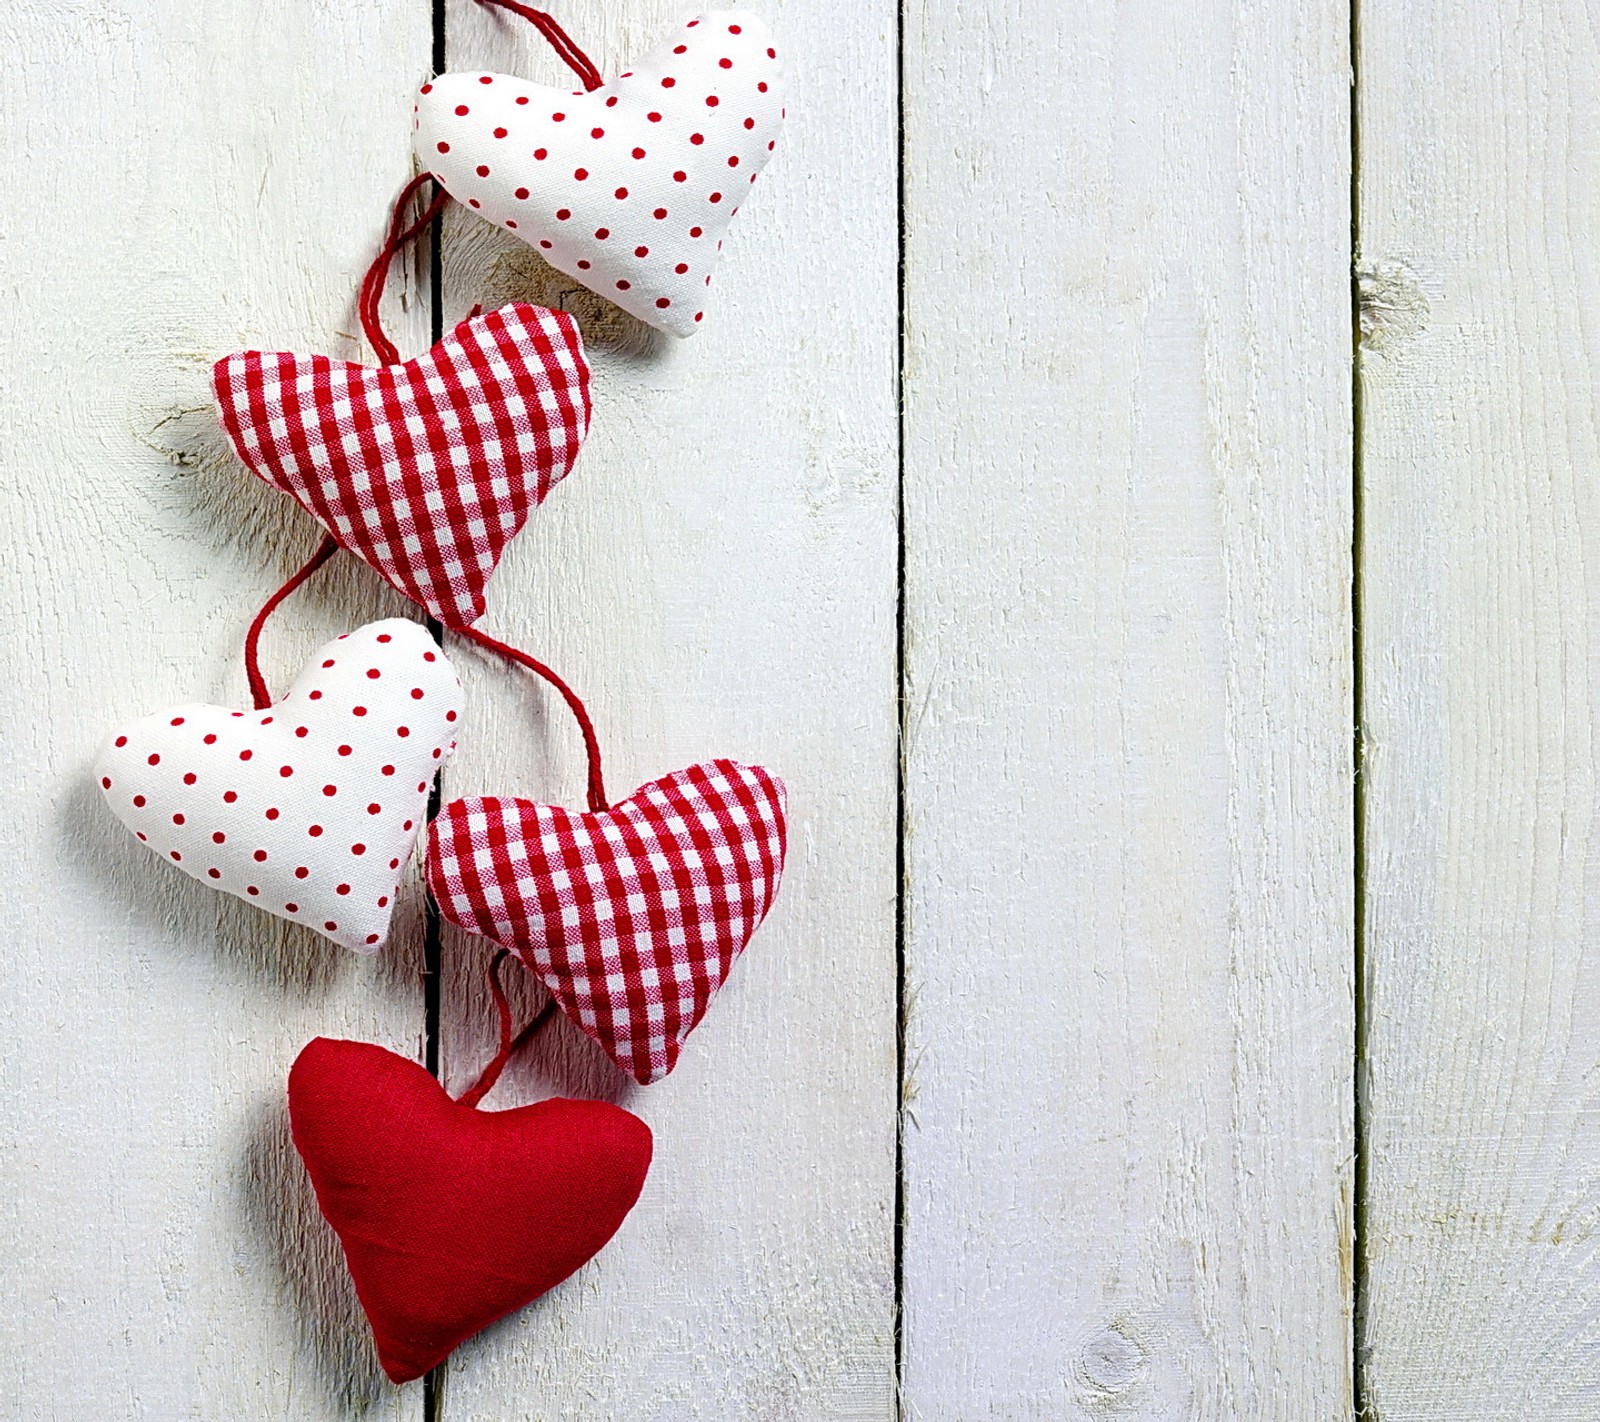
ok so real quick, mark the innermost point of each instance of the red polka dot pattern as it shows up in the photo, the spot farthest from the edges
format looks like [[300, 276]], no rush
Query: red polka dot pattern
[[286, 807], [663, 136]]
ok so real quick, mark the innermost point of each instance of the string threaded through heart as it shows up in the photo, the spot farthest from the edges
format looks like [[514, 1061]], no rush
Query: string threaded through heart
[[591, 741]]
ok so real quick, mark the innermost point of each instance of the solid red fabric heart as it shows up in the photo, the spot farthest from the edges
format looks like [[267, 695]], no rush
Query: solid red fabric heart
[[633, 916], [424, 470], [451, 1217]]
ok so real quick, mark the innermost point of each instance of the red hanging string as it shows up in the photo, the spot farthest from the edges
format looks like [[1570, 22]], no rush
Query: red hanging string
[[368, 306], [371, 298], [325, 550], [591, 742], [509, 1045], [252, 639], [560, 41]]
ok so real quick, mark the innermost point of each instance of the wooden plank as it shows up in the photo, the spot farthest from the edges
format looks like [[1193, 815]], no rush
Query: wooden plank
[[1479, 208], [191, 177], [717, 577], [1128, 519]]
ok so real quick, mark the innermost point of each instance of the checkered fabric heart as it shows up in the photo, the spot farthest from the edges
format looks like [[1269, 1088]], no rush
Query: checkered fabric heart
[[424, 470], [632, 916]]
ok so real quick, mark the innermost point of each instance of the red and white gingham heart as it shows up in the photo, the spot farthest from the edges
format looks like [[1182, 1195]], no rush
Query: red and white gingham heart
[[632, 916], [628, 188], [310, 808], [424, 470]]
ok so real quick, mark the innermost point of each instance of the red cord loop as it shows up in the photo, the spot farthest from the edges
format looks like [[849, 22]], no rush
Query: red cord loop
[[591, 742], [371, 298], [325, 550], [508, 1044], [252, 639], [560, 41]]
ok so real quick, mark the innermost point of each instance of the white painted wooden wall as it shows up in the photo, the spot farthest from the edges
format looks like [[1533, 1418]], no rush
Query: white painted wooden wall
[[1113, 1052]]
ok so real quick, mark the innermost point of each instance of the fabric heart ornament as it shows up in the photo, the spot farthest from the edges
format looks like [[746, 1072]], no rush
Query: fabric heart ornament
[[311, 807], [451, 1217], [628, 188], [427, 469], [632, 915]]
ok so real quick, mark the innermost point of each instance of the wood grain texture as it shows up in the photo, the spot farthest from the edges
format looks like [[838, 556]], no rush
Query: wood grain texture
[[717, 577], [1128, 700], [1480, 201], [187, 176]]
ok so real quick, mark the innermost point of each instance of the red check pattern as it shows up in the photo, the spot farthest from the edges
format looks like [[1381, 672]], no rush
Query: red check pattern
[[632, 916], [424, 470]]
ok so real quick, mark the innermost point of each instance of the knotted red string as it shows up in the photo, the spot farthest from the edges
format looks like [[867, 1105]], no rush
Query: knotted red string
[[252, 639], [371, 298], [560, 41], [509, 1045]]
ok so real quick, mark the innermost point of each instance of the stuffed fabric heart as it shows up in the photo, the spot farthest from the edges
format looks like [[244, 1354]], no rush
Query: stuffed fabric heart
[[310, 808], [632, 916], [628, 188], [424, 470], [451, 1217]]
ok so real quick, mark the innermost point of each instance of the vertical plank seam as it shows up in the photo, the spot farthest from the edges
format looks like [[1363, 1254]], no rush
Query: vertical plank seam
[[901, 887], [432, 932], [1359, 1183]]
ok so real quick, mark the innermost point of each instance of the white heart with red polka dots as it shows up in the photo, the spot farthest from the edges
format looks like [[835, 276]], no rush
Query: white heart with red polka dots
[[309, 809], [627, 189]]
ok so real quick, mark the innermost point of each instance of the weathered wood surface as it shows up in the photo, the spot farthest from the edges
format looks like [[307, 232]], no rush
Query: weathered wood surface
[[1128, 701], [1480, 207], [1129, 899], [188, 178], [718, 578]]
